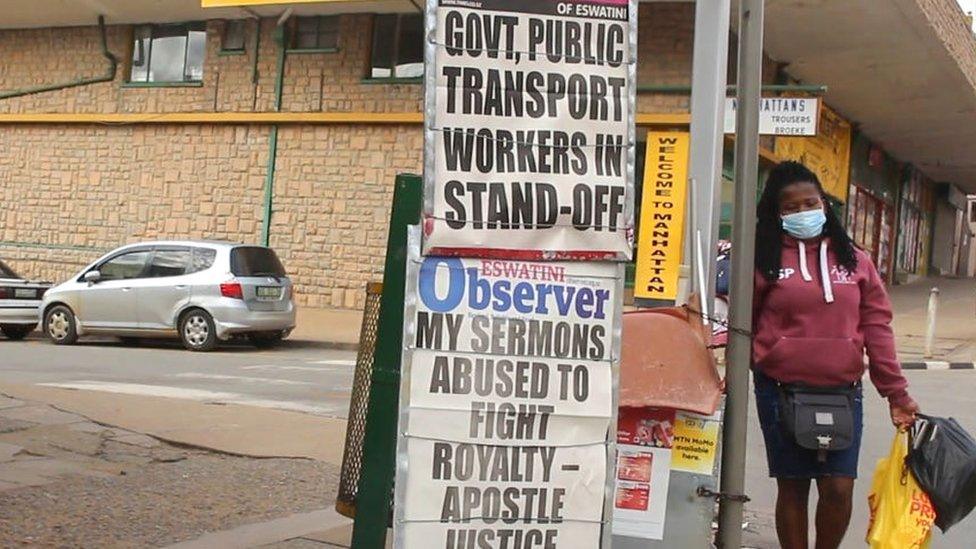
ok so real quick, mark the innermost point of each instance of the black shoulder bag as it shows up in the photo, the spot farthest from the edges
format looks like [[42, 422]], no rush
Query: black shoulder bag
[[818, 418]]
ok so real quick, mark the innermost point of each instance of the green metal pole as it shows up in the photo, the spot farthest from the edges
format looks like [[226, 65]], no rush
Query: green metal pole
[[268, 204], [375, 492]]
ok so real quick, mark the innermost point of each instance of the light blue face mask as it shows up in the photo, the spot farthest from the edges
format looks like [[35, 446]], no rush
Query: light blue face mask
[[805, 225]]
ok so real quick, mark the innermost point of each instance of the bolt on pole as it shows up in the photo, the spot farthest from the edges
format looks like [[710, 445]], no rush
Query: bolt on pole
[[742, 270]]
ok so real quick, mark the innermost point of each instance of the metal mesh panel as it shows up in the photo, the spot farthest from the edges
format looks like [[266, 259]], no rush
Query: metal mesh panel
[[352, 457]]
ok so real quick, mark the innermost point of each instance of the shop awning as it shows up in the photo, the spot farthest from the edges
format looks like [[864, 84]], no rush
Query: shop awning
[[904, 70]]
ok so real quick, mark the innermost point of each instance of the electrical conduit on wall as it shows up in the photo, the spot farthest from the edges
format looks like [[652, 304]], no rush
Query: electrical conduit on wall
[[109, 75], [279, 39]]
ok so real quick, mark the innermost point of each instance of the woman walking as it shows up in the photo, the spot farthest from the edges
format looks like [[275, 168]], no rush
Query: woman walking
[[819, 305]]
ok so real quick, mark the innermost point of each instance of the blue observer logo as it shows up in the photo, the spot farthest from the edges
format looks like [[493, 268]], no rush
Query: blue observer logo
[[503, 295]]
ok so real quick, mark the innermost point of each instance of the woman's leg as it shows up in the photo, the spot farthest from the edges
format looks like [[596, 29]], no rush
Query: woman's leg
[[833, 510], [791, 512]]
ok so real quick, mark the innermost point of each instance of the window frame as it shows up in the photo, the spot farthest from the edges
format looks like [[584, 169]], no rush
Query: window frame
[[228, 23], [147, 272], [189, 26], [293, 33], [6, 270], [199, 250], [395, 56], [142, 274], [244, 270]]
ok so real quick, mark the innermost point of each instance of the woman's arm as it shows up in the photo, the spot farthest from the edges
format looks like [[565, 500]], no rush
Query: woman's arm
[[879, 341]]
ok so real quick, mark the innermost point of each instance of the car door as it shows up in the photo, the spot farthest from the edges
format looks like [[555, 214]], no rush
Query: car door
[[165, 288], [111, 302]]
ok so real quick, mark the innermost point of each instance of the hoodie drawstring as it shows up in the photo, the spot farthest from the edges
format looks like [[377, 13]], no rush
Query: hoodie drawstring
[[828, 289], [803, 263]]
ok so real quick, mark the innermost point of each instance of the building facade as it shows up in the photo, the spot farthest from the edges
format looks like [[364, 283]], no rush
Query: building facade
[[289, 129]]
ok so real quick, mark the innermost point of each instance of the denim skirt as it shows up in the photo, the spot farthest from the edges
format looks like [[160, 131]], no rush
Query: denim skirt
[[789, 460]]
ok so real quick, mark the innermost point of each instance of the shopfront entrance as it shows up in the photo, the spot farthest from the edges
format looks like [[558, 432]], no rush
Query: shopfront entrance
[[915, 225], [870, 222]]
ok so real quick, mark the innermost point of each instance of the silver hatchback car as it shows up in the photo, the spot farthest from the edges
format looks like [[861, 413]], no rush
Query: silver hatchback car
[[202, 292]]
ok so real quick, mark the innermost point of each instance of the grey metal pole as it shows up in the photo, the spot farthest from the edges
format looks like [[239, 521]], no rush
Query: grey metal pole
[[709, 80], [742, 269], [930, 325]]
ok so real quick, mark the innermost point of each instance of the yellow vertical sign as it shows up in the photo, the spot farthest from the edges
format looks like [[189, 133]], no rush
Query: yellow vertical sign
[[662, 216]]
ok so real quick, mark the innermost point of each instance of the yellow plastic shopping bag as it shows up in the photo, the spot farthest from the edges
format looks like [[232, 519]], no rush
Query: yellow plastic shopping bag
[[901, 513]]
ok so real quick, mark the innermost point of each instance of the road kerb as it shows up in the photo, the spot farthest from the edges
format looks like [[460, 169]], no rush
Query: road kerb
[[938, 365], [263, 533]]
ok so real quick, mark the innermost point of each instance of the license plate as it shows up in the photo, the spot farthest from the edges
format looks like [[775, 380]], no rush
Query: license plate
[[267, 293], [25, 293]]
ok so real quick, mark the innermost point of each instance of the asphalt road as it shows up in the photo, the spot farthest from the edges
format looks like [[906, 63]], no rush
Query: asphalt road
[[310, 379], [295, 376]]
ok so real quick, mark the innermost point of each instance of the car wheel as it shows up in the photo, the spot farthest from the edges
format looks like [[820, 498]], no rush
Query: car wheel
[[59, 325], [197, 331], [16, 331], [265, 340]]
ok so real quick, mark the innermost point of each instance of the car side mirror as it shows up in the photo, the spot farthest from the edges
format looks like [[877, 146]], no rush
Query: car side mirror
[[92, 277]]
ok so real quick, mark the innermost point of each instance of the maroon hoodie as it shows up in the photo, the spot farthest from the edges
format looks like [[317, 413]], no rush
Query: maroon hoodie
[[814, 324]]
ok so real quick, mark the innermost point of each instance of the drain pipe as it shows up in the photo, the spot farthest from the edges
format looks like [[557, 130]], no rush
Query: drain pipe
[[113, 64], [279, 38]]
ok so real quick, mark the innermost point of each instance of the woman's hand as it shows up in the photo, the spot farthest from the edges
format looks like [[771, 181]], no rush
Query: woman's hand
[[904, 415]]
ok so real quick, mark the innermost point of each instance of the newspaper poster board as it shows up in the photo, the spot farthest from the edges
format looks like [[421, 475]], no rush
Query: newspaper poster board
[[529, 143], [506, 403]]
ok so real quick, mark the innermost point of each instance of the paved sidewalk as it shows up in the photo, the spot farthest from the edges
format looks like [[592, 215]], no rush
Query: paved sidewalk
[[955, 330], [332, 328]]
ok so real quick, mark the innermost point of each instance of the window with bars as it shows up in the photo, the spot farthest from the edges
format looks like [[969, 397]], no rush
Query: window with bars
[[315, 33], [398, 46], [169, 53]]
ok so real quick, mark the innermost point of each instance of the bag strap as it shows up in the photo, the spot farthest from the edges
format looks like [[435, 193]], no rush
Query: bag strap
[[833, 389]]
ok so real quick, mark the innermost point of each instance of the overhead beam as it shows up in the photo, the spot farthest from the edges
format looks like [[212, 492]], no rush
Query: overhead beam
[[645, 119]]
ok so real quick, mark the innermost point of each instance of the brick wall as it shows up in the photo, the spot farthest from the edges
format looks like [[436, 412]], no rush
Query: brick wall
[[332, 205], [332, 193], [96, 187], [70, 192]]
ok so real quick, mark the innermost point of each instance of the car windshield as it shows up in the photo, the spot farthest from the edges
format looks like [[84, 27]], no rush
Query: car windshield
[[7, 272], [255, 261]]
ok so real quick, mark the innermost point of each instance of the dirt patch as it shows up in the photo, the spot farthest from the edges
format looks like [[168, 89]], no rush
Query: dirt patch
[[162, 502]]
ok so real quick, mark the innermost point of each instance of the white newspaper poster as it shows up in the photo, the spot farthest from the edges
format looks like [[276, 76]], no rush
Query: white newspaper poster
[[506, 403], [529, 128]]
